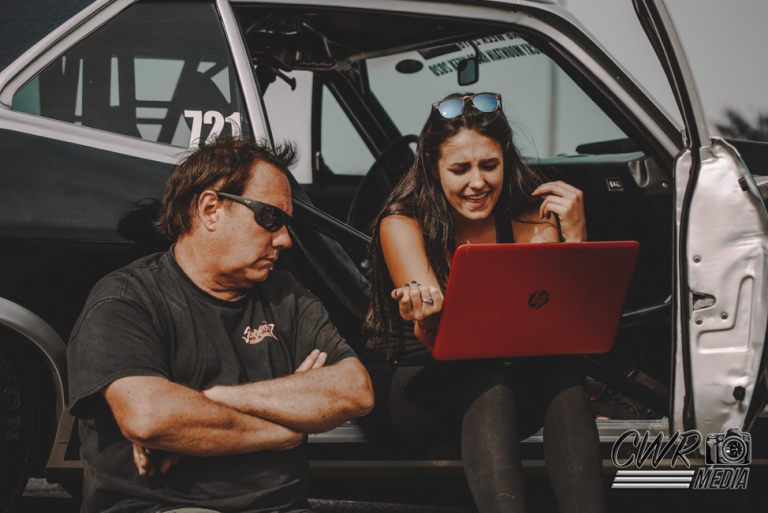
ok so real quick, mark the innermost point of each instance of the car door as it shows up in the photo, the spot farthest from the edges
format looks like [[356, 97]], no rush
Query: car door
[[721, 247]]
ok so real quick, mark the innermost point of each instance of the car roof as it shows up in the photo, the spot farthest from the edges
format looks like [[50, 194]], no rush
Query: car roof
[[23, 23]]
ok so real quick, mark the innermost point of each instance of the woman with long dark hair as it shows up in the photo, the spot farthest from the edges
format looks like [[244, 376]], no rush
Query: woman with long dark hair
[[469, 185]]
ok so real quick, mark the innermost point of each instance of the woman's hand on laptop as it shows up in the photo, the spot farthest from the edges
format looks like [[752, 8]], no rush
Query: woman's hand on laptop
[[419, 303], [567, 202]]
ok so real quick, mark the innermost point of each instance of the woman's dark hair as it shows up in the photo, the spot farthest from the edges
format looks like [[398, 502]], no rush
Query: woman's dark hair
[[419, 195], [225, 163]]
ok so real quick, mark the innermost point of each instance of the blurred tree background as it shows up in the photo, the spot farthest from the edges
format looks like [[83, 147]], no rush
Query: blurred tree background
[[738, 127]]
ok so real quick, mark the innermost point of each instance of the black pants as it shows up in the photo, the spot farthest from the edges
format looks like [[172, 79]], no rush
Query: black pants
[[490, 407]]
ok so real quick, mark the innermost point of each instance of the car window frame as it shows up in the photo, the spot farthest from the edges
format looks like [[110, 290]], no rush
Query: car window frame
[[30, 64]]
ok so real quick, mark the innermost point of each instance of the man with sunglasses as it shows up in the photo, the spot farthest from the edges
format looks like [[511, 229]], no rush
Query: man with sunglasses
[[197, 373]]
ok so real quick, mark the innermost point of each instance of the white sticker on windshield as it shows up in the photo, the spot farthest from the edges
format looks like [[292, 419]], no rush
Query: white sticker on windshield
[[214, 118]]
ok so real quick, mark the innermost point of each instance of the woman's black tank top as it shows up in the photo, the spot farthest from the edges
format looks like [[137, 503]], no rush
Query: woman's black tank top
[[405, 344], [504, 233]]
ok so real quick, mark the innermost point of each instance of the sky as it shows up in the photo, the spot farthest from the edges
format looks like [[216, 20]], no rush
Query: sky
[[726, 42]]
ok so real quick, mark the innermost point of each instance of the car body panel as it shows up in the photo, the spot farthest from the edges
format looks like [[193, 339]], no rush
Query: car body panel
[[727, 255], [47, 342], [95, 187], [721, 254]]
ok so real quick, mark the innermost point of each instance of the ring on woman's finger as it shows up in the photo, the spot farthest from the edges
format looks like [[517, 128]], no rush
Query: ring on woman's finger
[[428, 300]]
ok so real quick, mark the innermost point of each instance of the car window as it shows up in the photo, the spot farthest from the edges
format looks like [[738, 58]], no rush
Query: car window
[[342, 148], [158, 71], [289, 107], [551, 115]]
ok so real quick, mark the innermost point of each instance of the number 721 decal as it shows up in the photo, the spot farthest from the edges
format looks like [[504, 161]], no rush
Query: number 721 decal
[[214, 118]]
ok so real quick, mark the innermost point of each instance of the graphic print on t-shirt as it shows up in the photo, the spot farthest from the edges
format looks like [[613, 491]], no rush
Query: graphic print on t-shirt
[[252, 336]]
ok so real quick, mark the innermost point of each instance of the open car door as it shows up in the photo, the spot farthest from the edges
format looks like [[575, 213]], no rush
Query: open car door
[[721, 250]]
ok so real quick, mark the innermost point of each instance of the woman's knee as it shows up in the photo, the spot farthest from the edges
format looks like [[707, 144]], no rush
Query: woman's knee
[[487, 379], [551, 378]]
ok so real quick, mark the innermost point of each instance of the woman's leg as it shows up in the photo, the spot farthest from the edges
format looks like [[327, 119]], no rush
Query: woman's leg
[[489, 440], [571, 442], [474, 398]]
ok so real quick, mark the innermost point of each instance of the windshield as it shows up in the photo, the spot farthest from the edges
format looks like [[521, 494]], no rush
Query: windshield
[[551, 115]]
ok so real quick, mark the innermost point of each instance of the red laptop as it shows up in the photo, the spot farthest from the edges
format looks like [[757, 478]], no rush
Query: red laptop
[[509, 300]]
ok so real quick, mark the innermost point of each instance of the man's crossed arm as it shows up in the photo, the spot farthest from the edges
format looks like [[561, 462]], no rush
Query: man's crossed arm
[[157, 414], [308, 402]]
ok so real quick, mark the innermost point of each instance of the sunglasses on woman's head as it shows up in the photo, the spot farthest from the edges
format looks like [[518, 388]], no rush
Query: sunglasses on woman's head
[[453, 107], [268, 216]]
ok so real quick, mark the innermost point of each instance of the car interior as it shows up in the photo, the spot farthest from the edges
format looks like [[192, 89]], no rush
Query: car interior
[[371, 87]]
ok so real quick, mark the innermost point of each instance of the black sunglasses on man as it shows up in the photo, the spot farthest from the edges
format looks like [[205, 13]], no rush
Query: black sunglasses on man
[[268, 216]]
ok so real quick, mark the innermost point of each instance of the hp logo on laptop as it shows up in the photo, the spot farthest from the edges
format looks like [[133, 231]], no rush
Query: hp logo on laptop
[[538, 299]]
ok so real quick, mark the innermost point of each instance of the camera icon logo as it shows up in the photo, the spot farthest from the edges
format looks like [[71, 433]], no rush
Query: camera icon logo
[[730, 448]]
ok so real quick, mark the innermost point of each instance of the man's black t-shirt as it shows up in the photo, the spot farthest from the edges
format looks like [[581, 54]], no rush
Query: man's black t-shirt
[[150, 319]]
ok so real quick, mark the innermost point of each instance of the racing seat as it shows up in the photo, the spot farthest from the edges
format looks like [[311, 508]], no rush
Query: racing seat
[[379, 182]]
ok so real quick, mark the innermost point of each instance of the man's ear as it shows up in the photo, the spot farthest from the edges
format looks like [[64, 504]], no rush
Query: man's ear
[[208, 207]]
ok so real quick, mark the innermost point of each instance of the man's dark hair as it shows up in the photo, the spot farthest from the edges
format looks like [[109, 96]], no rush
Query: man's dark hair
[[224, 164]]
